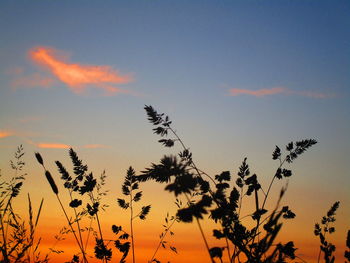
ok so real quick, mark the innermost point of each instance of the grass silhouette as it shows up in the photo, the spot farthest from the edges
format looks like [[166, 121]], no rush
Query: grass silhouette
[[168, 224], [81, 184], [130, 184], [18, 242], [216, 198]]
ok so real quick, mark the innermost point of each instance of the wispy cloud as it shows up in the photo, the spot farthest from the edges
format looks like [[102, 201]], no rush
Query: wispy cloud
[[53, 145], [48, 145], [280, 90], [316, 95], [258, 93], [32, 81], [4, 134], [95, 146], [79, 77]]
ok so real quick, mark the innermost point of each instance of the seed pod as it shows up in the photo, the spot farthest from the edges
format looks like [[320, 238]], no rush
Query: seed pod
[[39, 158], [51, 182]]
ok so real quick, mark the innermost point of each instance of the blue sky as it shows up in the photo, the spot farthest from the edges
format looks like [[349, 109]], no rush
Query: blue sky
[[185, 57]]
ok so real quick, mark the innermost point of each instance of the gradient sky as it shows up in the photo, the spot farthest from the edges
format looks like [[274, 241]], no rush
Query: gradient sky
[[236, 78]]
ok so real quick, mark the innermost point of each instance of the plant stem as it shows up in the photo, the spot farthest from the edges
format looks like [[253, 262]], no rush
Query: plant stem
[[98, 222], [265, 199], [205, 240], [131, 228], [202, 233], [4, 246], [78, 224], [273, 179], [319, 253], [99, 228], [72, 229], [319, 256], [88, 235], [2, 215], [161, 240]]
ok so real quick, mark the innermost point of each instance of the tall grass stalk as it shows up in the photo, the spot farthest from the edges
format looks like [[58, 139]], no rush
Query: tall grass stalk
[[132, 228], [129, 186], [168, 226], [56, 192], [17, 239]]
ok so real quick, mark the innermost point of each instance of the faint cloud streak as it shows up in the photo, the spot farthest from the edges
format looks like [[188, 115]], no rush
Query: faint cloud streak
[[280, 90], [4, 134], [78, 77], [316, 95], [258, 93], [32, 81]]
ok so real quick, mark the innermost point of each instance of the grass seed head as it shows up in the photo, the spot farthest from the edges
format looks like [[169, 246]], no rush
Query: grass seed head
[[39, 158], [51, 182]]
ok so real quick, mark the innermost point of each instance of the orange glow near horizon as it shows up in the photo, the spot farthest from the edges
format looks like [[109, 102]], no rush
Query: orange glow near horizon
[[188, 242], [77, 76]]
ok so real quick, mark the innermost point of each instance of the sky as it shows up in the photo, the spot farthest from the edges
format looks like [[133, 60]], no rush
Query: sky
[[235, 77]]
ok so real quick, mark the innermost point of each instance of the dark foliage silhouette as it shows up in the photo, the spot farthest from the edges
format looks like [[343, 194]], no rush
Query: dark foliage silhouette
[[222, 199]]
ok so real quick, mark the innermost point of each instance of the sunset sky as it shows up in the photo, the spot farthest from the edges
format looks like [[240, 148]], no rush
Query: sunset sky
[[235, 77]]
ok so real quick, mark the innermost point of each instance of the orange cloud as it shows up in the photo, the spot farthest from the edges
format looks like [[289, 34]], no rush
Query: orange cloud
[[53, 145], [76, 76], [95, 146], [280, 90], [4, 134], [257, 93]]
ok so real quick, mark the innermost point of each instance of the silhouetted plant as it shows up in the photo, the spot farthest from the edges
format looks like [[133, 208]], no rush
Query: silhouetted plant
[[169, 221], [129, 186], [75, 259], [321, 231], [78, 185], [223, 201], [347, 252], [121, 243], [185, 181], [17, 241]]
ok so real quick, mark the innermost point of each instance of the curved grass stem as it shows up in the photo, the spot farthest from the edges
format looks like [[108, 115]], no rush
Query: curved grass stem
[[72, 229]]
